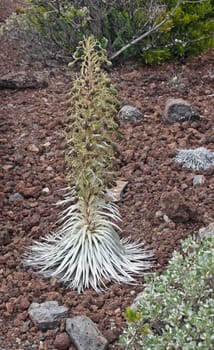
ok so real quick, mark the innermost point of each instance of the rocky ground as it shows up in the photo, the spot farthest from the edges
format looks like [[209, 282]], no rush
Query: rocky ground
[[32, 174]]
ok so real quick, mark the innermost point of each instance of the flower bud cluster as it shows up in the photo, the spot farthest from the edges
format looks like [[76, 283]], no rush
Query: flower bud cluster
[[92, 124]]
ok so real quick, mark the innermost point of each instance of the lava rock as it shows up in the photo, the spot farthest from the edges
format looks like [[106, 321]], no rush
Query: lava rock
[[112, 335], [62, 341], [16, 196], [206, 231], [23, 80], [84, 334], [33, 148], [28, 191], [115, 193], [174, 205], [5, 237], [130, 113], [23, 303], [47, 315], [198, 180], [179, 110]]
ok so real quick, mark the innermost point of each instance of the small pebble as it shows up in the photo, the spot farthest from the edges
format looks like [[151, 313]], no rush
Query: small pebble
[[198, 180], [45, 190], [62, 341]]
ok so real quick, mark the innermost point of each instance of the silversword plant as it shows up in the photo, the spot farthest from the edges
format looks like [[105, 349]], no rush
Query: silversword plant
[[197, 159], [87, 251]]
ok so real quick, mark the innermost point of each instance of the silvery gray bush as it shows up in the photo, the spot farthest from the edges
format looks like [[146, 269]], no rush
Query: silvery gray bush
[[176, 308], [197, 159]]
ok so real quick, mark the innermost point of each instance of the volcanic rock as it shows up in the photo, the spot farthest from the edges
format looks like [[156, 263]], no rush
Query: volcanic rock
[[22, 80], [176, 207], [130, 113], [179, 110], [84, 334], [47, 315], [62, 341]]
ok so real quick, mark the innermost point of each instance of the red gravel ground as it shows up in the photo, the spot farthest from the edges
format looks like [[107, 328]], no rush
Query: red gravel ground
[[32, 163]]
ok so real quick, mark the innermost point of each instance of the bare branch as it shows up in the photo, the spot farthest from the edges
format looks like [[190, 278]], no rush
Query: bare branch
[[148, 33]]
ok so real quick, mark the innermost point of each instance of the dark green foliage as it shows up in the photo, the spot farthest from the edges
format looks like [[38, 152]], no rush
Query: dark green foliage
[[189, 32], [115, 23], [58, 21]]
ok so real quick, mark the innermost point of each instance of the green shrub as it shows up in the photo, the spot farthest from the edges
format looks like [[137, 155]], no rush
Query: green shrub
[[58, 21], [175, 311], [66, 22], [189, 32], [116, 23]]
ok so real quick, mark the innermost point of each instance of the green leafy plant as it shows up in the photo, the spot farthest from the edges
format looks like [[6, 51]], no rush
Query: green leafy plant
[[138, 328], [154, 30], [176, 306], [189, 31], [56, 20], [87, 251]]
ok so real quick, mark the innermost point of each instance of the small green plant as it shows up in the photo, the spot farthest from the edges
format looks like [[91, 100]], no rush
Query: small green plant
[[87, 251], [138, 327], [177, 306]]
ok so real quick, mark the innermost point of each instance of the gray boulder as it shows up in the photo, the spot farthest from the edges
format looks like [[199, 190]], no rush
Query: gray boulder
[[130, 113], [23, 80], [47, 315], [179, 110], [84, 334]]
